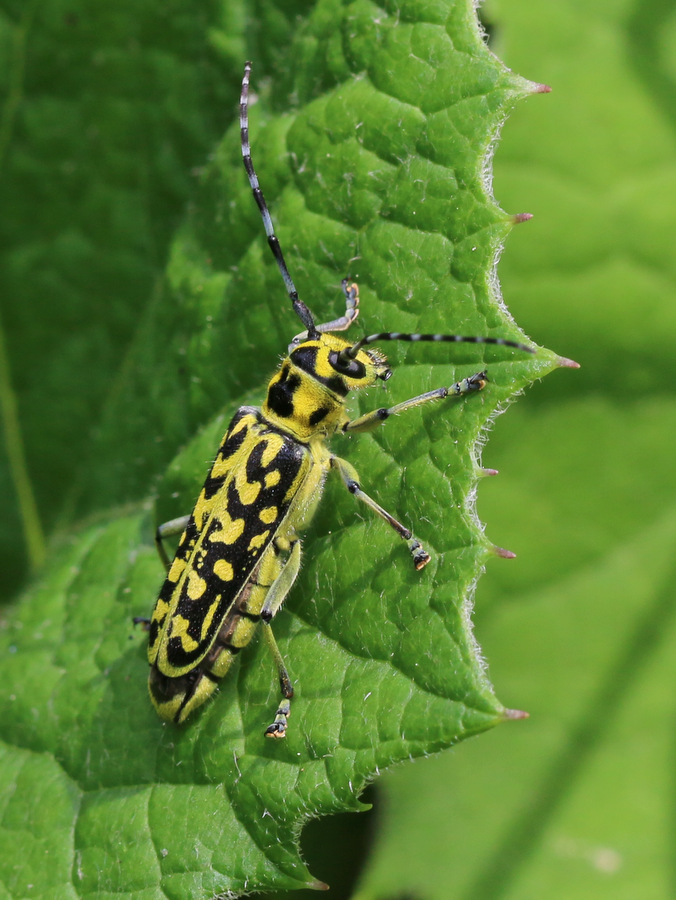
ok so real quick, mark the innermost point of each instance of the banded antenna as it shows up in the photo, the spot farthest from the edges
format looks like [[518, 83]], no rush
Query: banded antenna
[[349, 353], [299, 307]]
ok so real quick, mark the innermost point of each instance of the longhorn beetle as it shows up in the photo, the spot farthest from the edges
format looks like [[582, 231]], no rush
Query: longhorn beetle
[[239, 553]]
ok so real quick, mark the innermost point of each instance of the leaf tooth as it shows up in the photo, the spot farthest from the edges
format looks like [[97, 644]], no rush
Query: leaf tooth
[[502, 553], [564, 362], [515, 714]]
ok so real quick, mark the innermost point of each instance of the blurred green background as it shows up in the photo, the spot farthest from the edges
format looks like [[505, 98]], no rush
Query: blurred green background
[[577, 802]]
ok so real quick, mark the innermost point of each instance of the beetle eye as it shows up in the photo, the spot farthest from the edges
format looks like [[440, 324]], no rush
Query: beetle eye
[[350, 367]]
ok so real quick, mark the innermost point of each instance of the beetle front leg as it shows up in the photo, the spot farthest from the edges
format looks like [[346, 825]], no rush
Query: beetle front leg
[[372, 419], [351, 481]]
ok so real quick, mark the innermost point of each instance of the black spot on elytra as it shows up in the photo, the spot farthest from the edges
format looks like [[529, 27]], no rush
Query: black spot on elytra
[[228, 448]]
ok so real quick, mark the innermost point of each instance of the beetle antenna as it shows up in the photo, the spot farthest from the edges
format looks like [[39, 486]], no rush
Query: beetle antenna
[[351, 352], [299, 307]]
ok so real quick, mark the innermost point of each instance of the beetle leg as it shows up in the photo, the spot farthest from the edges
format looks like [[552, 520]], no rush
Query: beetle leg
[[351, 481], [273, 601], [168, 529], [372, 419]]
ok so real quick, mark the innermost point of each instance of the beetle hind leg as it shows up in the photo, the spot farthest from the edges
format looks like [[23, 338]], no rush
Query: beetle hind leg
[[273, 602]]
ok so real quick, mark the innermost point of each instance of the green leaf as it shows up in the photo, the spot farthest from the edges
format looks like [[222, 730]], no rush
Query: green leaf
[[577, 803], [378, 172], [109, 108]]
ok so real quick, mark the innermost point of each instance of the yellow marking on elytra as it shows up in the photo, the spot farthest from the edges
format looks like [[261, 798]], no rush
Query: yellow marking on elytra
[[161, 610], [268, 515], [295, 486], [208, 618], [201, 511], [220, 466], [275, 442], [257, 542], [223, 570], [223, 463], [179, 629], [248, 491], [177, 569], [196, 585], [229, 532], [243, 423], [272, 478]]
